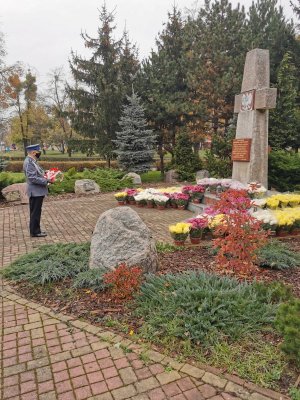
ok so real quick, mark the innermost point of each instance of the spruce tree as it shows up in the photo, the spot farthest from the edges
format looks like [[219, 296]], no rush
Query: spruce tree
[[101, 83], [135, 143], [284, 119]]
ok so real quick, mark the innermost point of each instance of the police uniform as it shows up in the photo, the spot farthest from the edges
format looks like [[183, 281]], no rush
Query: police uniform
[[37, 189]]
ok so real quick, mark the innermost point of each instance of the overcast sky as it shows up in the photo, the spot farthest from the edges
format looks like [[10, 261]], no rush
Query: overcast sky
[[41, 33]]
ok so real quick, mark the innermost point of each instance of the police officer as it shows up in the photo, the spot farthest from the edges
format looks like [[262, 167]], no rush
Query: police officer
[[37, 188]]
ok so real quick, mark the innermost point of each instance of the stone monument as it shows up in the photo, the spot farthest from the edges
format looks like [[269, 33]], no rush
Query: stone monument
[[250, 148]]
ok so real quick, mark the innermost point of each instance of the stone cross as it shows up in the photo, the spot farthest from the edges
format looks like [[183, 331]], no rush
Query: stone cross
[[250, 148]]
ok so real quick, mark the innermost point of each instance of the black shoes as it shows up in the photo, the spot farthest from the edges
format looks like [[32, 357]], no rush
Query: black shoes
[[41, 234]]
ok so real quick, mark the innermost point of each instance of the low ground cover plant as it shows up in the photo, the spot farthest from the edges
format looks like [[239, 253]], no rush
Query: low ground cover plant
[[277, 255], [206, 308]]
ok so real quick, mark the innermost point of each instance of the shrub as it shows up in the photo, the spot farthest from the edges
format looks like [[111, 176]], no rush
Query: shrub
[[288, 324], [124, 281], [186, 162], [49, 263], [92, 279], [239, 234], [284, 170], [152, 176], [8, 178], [108, 180], [17, 166], [202, 307], [217, 167], [277, 255], [277, 292]]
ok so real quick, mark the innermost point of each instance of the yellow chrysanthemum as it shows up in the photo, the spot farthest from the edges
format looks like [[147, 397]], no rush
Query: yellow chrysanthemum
[[120, 195], [180, 228]]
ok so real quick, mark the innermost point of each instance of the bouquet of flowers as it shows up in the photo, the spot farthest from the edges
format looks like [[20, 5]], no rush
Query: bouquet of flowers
[[256, 190], [54, 175], [130, 195]]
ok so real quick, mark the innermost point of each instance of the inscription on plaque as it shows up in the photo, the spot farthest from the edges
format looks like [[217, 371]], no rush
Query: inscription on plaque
[[247, 103], [241, 150]]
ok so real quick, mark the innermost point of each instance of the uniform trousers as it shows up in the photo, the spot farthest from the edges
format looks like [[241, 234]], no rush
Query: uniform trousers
[[35, 206]]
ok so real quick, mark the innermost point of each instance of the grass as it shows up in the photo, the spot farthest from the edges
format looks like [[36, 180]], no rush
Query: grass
[[152, 176]]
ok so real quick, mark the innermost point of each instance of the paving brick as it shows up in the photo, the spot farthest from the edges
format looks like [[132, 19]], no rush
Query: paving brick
[[241, 392], [114, 383], [156, 394], [185, 384], [63, 386], [125, 392], [167, 377], [192, 371], [146, 384], [128, 375], [207, 391], [171, 389], [214, 380], [99, 388], [193, 394]]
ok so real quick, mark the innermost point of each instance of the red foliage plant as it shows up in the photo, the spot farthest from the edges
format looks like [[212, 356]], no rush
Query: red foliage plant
[[239, 236], [124, 281]]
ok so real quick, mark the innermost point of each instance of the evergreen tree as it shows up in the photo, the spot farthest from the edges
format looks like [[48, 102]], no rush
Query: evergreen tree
[[268, 29], [101, 83], [284, 127], [135, 143], [186, 161], [216, 59], [163, 84]]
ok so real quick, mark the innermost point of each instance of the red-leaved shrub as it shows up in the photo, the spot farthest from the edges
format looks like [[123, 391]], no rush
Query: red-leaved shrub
[[124, 281], [239, 236]]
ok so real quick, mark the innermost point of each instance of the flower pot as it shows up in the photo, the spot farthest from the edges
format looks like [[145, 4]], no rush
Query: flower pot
[[132, 202], [282, 233], [121, 203], [174, 206], [195, 240], [140, 205], [150, 204], [196, 201], [160, 207], [295, 232], [181, 207], [179, 242]]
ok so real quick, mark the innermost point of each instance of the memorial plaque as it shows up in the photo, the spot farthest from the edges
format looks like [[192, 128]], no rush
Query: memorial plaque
[[241, 150], [247, 103]]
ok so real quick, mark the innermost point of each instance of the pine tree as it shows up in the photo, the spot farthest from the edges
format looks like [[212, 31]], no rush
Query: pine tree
[[284, 120], [101, 83], [135, 143]]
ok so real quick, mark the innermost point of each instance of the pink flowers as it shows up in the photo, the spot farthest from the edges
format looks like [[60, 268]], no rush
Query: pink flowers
[[54, 175], [198, 222], [131, 192], [191, 189]]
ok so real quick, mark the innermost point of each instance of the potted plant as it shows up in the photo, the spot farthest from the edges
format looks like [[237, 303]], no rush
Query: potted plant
[[161, 201], [198, 226], [130, 196], [121, 198], [197, 193], [181, 200], [140, 199], [179, 233]]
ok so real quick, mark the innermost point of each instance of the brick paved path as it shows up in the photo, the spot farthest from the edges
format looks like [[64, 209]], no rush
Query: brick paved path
[[49, 356], [71, 220]]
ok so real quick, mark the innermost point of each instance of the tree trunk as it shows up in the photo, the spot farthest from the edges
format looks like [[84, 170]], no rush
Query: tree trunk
[[108, 162], [62, 147], [161, 158], [196, 147]]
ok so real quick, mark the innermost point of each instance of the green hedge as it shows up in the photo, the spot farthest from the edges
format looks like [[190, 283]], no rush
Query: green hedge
[[17, 166], [284, 171]]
